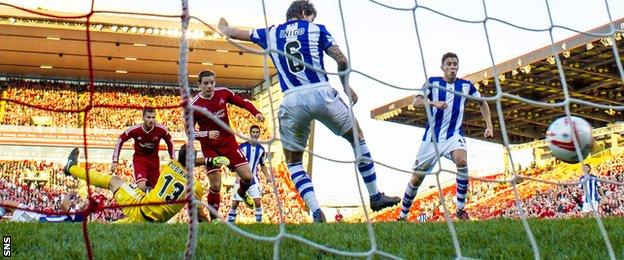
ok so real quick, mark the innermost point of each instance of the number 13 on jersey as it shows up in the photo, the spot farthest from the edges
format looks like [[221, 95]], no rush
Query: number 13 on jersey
[[173, 193]]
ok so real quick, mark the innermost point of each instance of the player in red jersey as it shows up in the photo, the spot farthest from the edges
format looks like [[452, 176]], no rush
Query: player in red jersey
[[147, 138], [216, 141]]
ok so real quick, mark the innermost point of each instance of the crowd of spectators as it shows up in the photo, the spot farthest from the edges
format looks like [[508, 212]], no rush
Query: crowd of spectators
[[65, 96], [487, 199]]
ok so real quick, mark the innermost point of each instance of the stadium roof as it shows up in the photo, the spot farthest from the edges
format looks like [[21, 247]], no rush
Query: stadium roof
[[124, 49], [591, 74]]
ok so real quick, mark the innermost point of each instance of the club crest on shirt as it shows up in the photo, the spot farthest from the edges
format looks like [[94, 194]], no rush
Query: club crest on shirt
[[221, 101]]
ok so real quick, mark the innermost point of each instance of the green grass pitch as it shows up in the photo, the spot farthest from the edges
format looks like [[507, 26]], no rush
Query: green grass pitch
[[502, 238]]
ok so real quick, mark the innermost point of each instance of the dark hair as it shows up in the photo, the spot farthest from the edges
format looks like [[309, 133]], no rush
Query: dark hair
[[254, 127], [449, 55], [182, 155], [205, 73], [588, 166], [298, 7], [148, 110]]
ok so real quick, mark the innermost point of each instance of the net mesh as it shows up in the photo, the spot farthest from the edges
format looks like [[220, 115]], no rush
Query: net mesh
[[283, 234]]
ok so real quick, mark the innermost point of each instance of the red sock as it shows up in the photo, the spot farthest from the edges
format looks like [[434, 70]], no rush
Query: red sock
[[214, 199]]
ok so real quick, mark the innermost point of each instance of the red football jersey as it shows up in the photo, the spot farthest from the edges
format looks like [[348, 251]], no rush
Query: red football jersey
[[217, 104], [146, 143]]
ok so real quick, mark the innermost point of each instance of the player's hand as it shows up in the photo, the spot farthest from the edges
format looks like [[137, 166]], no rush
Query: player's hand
[[351, 94], [114, 167], [260, 117], [439, 104], [219, 161], [488, 132], [214, 134]]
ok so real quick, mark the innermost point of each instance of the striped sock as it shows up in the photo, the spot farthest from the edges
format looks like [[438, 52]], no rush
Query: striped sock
[[304, 185], [462, 187], [408, 198], [258, 214], [366, 167], [231, 215]]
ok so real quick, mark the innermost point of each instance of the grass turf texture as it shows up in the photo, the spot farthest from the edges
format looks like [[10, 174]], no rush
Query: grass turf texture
[[502, 238]]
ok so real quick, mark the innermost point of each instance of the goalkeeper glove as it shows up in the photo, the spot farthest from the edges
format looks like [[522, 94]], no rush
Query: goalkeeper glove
[[218, 161]]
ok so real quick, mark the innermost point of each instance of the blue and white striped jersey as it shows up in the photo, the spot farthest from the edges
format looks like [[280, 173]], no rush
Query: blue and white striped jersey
[[255, 156], [299, 38], [590, 188], [447, 122]]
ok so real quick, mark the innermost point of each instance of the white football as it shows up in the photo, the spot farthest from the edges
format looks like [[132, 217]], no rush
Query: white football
[[559, 138]]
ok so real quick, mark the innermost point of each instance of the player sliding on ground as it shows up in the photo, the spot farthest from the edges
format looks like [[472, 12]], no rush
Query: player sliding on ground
[[447, 111], [308, 96], [170, 187]]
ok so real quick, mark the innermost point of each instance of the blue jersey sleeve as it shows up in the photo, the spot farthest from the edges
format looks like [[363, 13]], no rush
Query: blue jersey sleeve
[[325, 38], [259, 37], [473, 91], [426, 90]]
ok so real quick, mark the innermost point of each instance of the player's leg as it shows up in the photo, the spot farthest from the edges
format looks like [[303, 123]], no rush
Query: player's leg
[[303, 183], [244, 172], [141, 171], [214, 179], [239, 164], [98, 179], [153, 173], [258, 203], [425, 159], [123, 193], [233, 209], [254, 192], [459, 157], [294, 119], [334, 114], [214, 191]]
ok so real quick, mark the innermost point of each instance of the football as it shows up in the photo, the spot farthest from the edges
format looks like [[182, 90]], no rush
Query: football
[[560, 142]]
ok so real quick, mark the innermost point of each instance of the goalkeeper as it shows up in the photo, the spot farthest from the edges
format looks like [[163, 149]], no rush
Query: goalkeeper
[[170, 188]]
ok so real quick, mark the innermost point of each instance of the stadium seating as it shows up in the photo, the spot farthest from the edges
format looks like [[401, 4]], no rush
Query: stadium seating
[[65, 96]]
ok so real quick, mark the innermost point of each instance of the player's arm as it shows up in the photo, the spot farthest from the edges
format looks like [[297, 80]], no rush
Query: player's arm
[[419, 100], [600, 189], [343, 64], [169, 143], [9, 205], [66, 202], [234, 33], [247, 105], [118, 145], [485, 112], [264, 168]]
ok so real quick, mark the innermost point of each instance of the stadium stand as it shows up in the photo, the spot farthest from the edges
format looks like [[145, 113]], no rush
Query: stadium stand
[[59, 95]]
